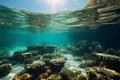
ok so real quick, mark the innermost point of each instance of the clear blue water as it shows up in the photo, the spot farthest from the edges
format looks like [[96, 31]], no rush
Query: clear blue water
[[75, 33], [13, 40], [19, 38], [19, 29]]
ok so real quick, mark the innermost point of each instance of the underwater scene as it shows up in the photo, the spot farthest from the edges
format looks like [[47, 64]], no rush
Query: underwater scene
[[82, 44]]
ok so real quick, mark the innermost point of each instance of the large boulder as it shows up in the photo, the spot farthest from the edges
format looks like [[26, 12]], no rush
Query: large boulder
[[36, 68], [110, 61], [57, 64], [101, 73], [73, 74], [5, 69]]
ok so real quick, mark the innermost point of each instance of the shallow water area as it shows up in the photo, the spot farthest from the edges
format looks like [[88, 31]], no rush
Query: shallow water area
[[70, 45]]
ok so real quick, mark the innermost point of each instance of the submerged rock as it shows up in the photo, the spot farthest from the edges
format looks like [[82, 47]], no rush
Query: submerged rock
[[5, 69], [110, 61], [54, 77], [52, 55], [17, 56], [87, 63], [33, 53], [16, 70], [42, 49], [85, 47], [46, 74], [99, 73], [77, 58], [22, 57], [68, 74], [36, 68], [25, 76], [57, 64]]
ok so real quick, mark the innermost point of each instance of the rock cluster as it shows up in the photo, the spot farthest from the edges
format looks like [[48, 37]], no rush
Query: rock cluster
[[110, 61], [39, 61], [100, 73], [49, 65], [32, 52], [67, 74], [84, 47]]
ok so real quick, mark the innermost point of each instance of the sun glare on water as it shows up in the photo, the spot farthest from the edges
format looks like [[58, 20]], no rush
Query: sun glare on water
[[54, 4]]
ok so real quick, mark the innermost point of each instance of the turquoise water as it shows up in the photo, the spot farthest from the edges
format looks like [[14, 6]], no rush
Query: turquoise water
[[13, 39], [71, 39], [19, 29]]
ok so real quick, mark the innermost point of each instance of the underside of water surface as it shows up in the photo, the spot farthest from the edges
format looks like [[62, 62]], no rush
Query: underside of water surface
[[69, 45]]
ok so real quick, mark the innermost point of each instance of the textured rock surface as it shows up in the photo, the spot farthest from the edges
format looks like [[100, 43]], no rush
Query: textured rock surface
[[91, 3], [57, 64], [108, 10], [42, 49], [72, 74], [99, 73], [111, 61], [36, 68], [96, 13], [5, 69]]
